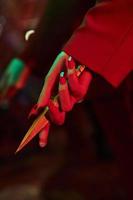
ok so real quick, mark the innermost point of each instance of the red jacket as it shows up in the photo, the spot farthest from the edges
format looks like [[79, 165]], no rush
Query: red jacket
[[104, 41]]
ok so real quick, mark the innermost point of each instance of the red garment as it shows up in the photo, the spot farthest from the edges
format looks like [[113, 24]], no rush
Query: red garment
[[104, 42]]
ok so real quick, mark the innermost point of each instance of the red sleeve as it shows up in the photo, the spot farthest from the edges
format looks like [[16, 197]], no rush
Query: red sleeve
[[104, 41]]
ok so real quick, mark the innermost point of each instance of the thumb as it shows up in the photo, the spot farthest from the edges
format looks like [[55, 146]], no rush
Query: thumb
[[43, 136], [51, 78]]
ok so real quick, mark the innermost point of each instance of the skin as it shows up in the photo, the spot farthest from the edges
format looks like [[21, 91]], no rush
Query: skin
[[71, 90]]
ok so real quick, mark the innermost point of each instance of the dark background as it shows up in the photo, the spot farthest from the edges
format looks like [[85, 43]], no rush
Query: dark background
[[78, 163]]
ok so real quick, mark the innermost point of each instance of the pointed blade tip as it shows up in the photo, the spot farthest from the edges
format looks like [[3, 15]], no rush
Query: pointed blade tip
[[18, 149]]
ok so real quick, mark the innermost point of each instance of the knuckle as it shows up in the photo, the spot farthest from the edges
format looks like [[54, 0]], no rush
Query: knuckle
[[67, 108], [60, 121], [82, 92], [78, 93]]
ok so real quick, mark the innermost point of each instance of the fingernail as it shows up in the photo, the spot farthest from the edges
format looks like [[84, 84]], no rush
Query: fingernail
[[78, 73], [42, 145], [82, 67], [70, 58], [80, 70], [70, 63], [36, 110], [62, 74], [51, 104], [62, 78], [33, 112]]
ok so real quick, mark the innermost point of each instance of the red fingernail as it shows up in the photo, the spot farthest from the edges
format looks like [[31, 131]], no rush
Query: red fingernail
[[70, 58], [70, 63], [42, 145], [50, 104], [62, 78], [62, 74], [33, 111]]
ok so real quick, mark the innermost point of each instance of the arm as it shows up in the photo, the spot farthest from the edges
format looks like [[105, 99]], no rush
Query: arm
[[99, 43], [103, 41]]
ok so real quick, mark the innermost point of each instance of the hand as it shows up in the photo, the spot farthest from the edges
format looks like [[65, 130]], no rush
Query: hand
[[56, 116], [71, 90], [74, 86], [14, 78], [49, 83]]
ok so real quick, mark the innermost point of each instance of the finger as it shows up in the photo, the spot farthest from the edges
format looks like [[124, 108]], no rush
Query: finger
[[73, 80], [85, 80], [51, 79], [79, 70], [56, 115], [43, 136], [71, 74], [34, 112], [66, 100]]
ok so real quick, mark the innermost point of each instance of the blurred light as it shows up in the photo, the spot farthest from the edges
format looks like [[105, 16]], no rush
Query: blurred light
[[28, 34]]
